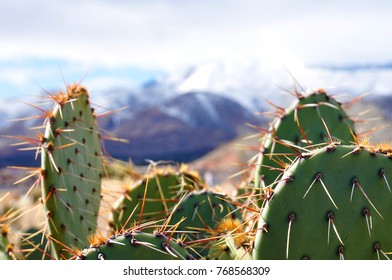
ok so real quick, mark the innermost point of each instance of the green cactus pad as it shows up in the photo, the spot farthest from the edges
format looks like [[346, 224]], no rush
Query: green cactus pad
[[136, 245], [300, 126], [156, 194], [333, 203], [197, 215], [72, 170]]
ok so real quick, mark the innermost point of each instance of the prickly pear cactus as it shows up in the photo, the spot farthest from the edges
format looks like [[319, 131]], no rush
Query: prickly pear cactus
[[333, 203], [197, 215], [135, 245], [72, 169], [153, 196], [311, 121]]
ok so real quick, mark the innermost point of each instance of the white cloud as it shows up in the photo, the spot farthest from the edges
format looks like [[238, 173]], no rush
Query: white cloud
[[83, 36], [170, 34]]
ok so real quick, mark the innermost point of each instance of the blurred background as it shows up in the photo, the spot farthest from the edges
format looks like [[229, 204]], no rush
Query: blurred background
[[186, 80]]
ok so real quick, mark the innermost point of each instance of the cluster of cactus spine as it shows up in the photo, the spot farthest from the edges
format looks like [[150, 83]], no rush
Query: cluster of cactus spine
[[316, 192], [233, 242]]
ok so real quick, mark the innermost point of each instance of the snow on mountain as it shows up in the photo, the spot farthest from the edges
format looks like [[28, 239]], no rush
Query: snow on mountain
[[190, 106], [208, 77], [251, 83], [242, 83]]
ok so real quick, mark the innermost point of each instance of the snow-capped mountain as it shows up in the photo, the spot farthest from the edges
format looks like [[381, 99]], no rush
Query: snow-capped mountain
[[246, 84], [183, 115]]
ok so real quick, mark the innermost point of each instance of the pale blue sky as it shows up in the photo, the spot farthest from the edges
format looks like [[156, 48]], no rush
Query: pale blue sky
[[127, 42]]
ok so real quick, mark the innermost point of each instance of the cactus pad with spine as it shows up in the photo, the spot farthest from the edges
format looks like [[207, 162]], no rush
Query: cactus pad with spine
[[136, 245], [301, 125], [156, 194], [333, 203], [72, 169], [202, 210]]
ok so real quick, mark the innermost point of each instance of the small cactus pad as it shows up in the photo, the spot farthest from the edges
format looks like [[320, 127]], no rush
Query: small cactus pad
[[198, 214], [311, 121], [154, 196], [136, 245], [72, 169], [332, 203]]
